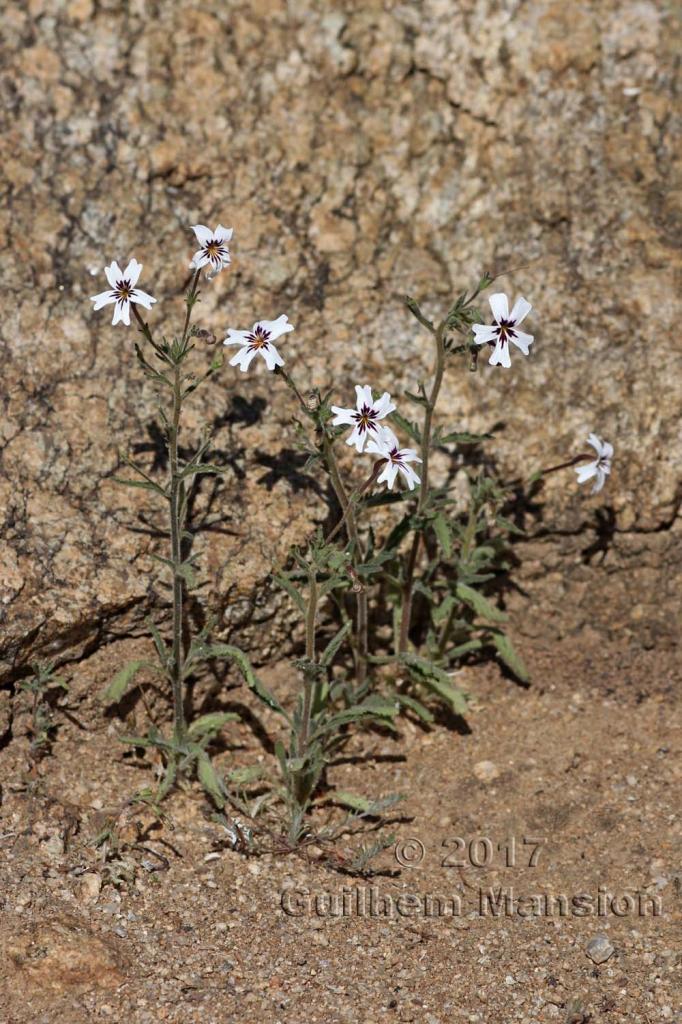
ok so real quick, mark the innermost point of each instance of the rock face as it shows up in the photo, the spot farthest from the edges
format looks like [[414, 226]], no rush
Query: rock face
[[360, 151]]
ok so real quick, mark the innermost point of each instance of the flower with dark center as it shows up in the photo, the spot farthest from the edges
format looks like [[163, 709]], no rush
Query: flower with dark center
[[386, 445], [600, 467], [365, 417], [504, 330], [258, 341], [122, 291], [214, 250]]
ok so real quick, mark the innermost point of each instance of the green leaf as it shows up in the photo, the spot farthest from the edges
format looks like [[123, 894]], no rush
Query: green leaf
[[506, 524], [291, 590], [462, 437], [412, 704], [442, 532], [410, 428], [211, 723], [417, 399], [334, 644], [437, 680], [144, 485], [510, 656], [250, 677], [204, 467], [166, 782], [356, 803], [480, 604], [119, 684], [210, 780]]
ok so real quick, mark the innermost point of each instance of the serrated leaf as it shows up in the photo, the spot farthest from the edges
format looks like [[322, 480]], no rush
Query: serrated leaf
[[480, 604], [414, 705], [437, 680], [210, 780], [334, 644], [417, 399], [250, 678], [212, 722], [410, 428], [119, 684], [510, 656]]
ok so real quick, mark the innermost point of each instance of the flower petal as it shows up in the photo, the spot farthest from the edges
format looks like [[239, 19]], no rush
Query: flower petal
[[520, 310], [132, 272], [364, 395], [243, 358], [500, 356], [522, 341], [143, 298], [103, 299], [388, 475], [410, 476], [223, 234], [600, 480], [122, 313], [199, 260], [271, 356], [204, 234], [357, 438], [343, 417], [595, 442], [500, 306], [384, 406], [275, 328], [237, 337], [483, 333], [113, 272], [586, 472]]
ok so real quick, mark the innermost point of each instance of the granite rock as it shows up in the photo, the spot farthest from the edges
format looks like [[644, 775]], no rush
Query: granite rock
[[360, 151]]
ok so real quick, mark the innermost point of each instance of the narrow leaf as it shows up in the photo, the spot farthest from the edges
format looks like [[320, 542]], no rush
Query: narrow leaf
[[211, 723], [210, 780], [480, 604], [119, 684], [510, 656], [334, 644]]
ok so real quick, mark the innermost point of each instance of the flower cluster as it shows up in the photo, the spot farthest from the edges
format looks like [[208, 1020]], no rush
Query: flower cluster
[[368, 433]]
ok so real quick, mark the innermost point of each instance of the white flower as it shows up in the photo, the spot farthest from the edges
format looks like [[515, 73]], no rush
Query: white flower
[[213, 247], [123, 291], [600, 468], [505, 329], [258, 341], [385, 444], [364, 418]]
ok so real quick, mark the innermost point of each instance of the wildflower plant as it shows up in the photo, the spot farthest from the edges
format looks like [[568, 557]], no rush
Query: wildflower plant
[[396, 589]]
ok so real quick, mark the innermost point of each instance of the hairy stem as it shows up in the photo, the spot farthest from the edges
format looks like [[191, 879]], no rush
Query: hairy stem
[[438, 370], [354, 536], [180, 725], [309, 674]]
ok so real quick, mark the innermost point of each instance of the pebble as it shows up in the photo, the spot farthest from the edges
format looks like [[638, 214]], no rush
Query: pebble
[[599, 949], [486, 771]]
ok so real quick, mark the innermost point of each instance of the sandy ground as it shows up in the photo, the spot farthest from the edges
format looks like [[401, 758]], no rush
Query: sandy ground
[[553, 822]]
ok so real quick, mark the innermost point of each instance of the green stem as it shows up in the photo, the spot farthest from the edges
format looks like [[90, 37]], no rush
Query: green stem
[[438, 370], [467, 544], [309, 674], [354, 536], [180, 725]]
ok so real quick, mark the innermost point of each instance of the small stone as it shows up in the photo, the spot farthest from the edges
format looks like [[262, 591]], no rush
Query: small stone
[[486, 771], [599, 949], [89, 887]]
